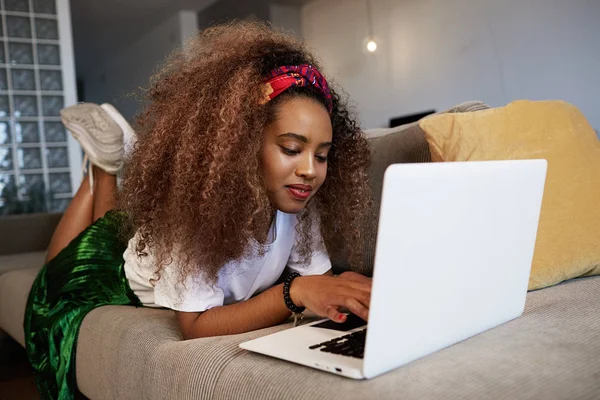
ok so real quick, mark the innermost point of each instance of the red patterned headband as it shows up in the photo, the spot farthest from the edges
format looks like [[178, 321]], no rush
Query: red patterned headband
[[282, 78]]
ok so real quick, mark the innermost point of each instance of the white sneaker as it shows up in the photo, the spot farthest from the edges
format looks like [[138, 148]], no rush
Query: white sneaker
[[129, 137], [98, 134]]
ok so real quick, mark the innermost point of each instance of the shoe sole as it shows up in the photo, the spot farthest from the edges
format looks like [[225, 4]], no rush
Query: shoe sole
[[129, 137]]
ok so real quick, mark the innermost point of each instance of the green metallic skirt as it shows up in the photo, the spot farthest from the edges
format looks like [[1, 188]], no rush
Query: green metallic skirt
[[88, 273]]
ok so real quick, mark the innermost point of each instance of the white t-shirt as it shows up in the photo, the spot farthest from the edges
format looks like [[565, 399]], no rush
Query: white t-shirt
[[237, 281]]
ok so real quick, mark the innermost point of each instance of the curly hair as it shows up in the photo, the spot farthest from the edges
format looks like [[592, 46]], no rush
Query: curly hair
[[192, 186]]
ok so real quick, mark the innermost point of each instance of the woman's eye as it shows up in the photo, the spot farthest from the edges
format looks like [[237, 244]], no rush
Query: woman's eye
[[289, 152], [322, 158]]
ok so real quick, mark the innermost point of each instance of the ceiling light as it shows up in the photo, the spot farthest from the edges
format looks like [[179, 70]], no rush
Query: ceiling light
[[371, 45]]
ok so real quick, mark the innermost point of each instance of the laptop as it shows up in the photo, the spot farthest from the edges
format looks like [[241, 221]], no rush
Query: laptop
[[454, 249]]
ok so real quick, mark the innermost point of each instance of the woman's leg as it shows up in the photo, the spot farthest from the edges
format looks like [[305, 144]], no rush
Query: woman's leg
[[105, 188], [101, 137], [75, 219], [84, 209]]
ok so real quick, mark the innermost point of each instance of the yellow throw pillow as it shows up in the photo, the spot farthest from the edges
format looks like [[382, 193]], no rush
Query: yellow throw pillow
[[568, 241]]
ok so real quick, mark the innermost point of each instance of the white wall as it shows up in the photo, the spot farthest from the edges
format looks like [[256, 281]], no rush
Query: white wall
[[70, 92], [120, 76], [437, 53]]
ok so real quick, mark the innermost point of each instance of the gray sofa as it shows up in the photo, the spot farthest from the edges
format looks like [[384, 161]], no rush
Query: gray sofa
[[551, 352]]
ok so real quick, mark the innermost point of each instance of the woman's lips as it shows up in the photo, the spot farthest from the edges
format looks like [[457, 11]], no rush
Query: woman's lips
[[300, 192]]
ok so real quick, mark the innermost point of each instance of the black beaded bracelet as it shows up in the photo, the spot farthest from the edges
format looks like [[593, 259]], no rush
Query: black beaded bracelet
[[286, 293]]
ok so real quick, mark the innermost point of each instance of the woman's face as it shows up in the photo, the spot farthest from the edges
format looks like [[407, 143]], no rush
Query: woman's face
[[294, 153]]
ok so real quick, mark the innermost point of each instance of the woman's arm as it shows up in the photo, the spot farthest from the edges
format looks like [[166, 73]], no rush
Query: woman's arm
[[261, 311], [322, 294]]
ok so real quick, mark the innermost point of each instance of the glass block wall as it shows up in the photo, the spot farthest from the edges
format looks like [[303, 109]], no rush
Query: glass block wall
[[34, 162]]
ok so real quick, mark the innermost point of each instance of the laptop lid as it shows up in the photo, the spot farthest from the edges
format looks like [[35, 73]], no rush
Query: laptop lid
[[454, 250]]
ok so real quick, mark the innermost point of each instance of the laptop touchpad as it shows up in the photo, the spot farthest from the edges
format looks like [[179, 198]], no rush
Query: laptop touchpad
[[352, 321]]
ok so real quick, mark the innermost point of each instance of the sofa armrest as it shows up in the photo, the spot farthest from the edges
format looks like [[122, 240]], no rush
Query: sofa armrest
[[26, 233]]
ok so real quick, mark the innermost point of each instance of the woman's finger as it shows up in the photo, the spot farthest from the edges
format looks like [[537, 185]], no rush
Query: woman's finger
[[364, 298], [333, 314], [356, 307], [359, 290]]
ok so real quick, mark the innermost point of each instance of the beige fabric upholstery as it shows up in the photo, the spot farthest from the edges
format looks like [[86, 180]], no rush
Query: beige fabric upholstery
[[22, 260], [551, 352], [14, 289], [468, 106], [26, 233], [129, 353]]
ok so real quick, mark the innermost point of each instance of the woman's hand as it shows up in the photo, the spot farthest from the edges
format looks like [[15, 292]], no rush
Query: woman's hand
[[325, 295]]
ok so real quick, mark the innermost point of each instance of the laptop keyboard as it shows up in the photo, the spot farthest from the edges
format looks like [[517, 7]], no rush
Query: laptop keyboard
[[352, 344]]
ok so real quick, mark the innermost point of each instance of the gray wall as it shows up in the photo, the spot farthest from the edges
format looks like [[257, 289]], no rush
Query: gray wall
[[118, 78], [437, 53], [226, 10], [287, 16]]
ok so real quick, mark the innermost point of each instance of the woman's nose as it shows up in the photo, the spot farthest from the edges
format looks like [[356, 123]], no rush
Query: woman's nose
[[306, 168]]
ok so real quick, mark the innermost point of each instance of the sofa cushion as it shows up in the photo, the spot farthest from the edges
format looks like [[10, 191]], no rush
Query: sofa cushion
[[17, 232], [402, 144], [14, 290], [129, 353], [568, 237], [22, 260], [551, 352], [398, 145]]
